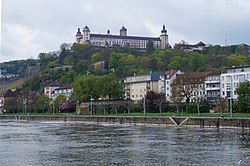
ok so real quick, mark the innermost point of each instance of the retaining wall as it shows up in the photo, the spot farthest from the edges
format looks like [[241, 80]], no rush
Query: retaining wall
[[243, 123]]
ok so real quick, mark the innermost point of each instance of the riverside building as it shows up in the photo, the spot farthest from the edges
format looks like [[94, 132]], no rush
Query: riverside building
[[137, 86], [109, 40], [230, 80]]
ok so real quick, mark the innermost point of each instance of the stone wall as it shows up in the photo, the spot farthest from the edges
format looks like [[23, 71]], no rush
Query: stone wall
[[243, 123]]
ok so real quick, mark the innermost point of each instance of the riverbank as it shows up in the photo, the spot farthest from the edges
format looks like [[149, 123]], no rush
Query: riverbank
[[212, 122]]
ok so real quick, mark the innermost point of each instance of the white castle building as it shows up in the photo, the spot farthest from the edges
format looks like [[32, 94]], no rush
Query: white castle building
[[123, 39]]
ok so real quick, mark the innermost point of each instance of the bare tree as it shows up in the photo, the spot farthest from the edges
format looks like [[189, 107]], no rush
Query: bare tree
[[199, 101], [221, 102], [160, 102], [177, 96]]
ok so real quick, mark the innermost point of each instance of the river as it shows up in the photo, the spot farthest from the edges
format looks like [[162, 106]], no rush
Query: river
[[78, 144]]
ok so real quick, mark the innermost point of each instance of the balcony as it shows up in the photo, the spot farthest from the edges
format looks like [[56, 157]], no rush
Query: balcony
[[212, 88]]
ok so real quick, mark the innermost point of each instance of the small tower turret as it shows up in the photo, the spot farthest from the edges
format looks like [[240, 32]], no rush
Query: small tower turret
[[108, 32], [78, 36], [164, 38], [86, 34], [123, 31]]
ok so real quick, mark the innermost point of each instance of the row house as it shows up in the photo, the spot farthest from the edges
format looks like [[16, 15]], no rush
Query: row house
[[209, 85], [191, 85], [165, 82], [137, 86], [212, 85], [7, 100]]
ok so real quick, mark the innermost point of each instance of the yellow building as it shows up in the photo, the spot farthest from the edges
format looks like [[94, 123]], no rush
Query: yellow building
[[138, 85]]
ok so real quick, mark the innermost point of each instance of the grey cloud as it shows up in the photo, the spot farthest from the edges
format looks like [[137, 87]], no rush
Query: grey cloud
[[55, 22]]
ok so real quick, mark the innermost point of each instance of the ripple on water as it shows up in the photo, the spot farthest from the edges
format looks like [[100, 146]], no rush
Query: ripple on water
[[23, 143]]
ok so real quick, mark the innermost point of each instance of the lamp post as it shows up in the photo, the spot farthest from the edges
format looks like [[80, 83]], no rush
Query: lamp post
[[231, 104], [144, 104], [91, 105], [53, 107], [25, 105]]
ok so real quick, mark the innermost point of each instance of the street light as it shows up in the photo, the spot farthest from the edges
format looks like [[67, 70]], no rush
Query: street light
[[53, 107], [91, 105], [25, 105], [144, 104], [231, 104]]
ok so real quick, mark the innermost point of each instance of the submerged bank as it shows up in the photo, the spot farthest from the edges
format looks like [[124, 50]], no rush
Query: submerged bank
[[243, 123]]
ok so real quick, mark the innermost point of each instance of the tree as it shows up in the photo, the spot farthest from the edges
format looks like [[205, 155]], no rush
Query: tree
[[150, 47], [107, 86], [243, 92], [110, 87], [42, 103], [221, 102], [84, 86], [58, 100], [153, 101], [67, 106], [177, 96], [199, 101], [96, 57], [237, 60]]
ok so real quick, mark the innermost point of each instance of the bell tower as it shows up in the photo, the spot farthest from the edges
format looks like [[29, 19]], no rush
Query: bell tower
[[86, 34], [78, 36], [123, 31], [164, 38]]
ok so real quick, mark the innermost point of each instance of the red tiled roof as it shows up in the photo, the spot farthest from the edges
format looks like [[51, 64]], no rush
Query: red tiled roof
[[172, 72], [192, 78], [64, 87]]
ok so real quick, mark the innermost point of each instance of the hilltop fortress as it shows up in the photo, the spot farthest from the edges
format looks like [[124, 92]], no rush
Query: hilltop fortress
[[109, 40]]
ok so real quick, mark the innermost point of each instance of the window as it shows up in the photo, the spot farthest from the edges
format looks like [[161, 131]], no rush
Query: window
[[133, 96], [228, 86], [241, 78], [228, 79]]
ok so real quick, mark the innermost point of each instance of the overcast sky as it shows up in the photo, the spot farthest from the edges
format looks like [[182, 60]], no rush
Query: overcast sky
[[30, 27]]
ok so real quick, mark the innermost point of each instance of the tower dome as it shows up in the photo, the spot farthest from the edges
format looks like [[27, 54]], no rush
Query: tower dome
[[78, 36], [163, 29], [78, 33]]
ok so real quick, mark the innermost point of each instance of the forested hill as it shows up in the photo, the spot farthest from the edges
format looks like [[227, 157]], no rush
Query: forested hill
[[121, 62], [17, 67]]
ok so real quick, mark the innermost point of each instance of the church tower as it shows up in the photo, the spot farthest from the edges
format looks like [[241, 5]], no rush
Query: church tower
[[78, 36], [164, 38], [123, 31], [86, 34]]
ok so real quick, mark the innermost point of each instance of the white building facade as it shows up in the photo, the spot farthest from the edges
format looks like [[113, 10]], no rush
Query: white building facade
[[54, 89], [230, 80], [104, 40], [165, 82], [66, 91], [212, 86]]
